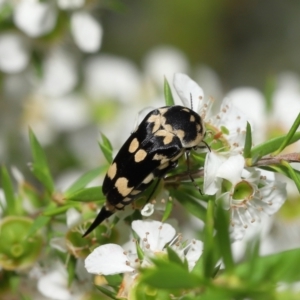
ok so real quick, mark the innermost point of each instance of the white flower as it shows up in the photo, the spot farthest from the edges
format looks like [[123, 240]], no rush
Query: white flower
[[54, 285], [109, 259], [14, 55], [247, 195], [108, 77], [154, 236], [164, 61], [252, 104], [87, 31], [191, 94], [60, 74], [35, 18], [70, 4]]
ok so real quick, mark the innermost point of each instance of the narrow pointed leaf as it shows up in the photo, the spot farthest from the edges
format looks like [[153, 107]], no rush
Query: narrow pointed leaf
[[248, 142], [85, 179], [189, 203], [289, 136], [50, 212], [168, 210], [40, 166], [107, 292], [294, 174], [38, 223], [272, 145], [174, 258], [91, 194], [208, 250], [106, 148], [8, 192], [168, 93], [177, 277], [223, 238]]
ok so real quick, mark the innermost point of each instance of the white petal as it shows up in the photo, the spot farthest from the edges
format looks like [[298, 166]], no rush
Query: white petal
[[73, 217], [55, 285], [274, 195], [232, 169], [190, 93], [87, 31], [157, 234], [108, 259], [14, 54], [211, 166], [35, 18], [194, 253]]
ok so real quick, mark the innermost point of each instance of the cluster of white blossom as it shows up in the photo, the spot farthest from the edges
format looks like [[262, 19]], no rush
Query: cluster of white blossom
[[248, 193]]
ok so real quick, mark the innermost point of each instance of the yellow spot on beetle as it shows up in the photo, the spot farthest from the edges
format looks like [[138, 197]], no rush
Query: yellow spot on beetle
[[161, 157], [112, 171], [140, 155], [122, 186], [149, 178], [133, 145]]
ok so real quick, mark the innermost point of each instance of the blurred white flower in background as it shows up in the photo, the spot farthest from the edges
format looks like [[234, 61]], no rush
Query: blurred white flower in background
[[164, 61], [70, 4], [14, 53], [35, 18], [286, 101], [60, 73], [87, 31], [252, 104], [108, 77], [54, 284]]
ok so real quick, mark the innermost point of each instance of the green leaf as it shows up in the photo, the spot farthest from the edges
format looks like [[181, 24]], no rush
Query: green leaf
[[269, 91], [279, 267], [272, 145], [8, 192], [114, 280], [168, 210], [50, 212], [92, 194], [106, 292], [106, 148], [38, 223], [174, 258], [209, 249], [85, 179], [248, 142], [71, 268], [168, 93], [40, 166], [293, 174], [289, 136], [169, 275], [223, 238], [188, 202]]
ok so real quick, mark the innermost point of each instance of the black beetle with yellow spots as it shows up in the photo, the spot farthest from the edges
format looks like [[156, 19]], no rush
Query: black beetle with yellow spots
[[150, 152]]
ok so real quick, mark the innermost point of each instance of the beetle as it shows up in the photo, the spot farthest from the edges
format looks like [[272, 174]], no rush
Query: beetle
[[153, 149]]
